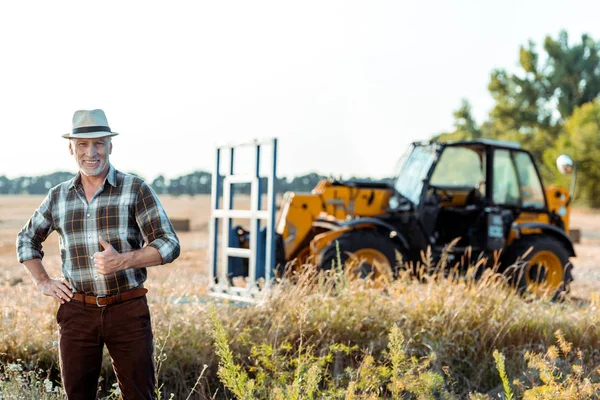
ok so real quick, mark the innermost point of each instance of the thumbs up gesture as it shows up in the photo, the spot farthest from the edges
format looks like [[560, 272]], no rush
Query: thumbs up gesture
[[109, 260]]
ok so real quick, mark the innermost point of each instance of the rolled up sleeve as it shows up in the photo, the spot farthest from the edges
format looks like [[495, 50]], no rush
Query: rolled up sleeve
[[156, 227], [35, 232]]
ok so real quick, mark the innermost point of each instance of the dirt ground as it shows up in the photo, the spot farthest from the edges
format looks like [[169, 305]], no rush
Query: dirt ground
[[15, 210]]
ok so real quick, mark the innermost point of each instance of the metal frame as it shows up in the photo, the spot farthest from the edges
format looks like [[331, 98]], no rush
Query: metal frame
[[222, 213]]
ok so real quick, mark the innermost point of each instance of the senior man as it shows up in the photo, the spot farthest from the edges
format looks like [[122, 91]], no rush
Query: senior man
[[111, 226]]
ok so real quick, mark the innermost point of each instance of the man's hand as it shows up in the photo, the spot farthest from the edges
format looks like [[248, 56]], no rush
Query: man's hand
[[60, 289], [108, 261]]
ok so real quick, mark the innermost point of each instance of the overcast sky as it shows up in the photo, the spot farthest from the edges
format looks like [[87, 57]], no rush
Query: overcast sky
[[344, 85]]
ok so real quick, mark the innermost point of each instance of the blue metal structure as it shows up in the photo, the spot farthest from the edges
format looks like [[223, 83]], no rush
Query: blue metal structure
[[226, 256]]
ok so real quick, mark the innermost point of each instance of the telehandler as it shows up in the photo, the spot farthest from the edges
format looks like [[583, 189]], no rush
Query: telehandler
[[483, 198]]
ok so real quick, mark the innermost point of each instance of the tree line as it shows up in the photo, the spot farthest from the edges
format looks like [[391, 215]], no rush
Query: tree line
[[198, 182]]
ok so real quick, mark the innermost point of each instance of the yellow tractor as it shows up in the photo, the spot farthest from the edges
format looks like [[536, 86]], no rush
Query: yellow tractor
[[486, 197]]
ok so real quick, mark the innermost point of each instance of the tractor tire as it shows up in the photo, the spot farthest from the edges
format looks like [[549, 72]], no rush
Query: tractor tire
[[545, 269], [365, 252]]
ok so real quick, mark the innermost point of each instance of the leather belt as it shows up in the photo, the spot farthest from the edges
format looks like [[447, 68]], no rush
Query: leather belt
[[103, 301]]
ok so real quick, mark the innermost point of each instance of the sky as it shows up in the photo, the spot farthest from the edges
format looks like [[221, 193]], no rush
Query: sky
[[344, 86]]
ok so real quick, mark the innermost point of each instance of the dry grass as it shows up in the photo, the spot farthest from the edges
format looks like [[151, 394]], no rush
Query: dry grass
[[339, 325]]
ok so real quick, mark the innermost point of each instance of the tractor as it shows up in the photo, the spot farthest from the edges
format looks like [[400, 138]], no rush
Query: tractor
[[470, 202]]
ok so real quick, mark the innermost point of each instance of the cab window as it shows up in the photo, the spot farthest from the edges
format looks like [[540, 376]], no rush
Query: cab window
[[414, 168], [506, 184], [458, 167], [532, 191]]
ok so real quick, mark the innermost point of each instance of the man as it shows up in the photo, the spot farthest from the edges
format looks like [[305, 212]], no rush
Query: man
[[111, 226]]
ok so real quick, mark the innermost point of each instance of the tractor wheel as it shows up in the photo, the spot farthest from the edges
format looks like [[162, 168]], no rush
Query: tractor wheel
[[362, 253], [538, 264]]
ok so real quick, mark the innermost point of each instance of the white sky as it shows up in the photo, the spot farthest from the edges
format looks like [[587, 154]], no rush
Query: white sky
[[344, 85]]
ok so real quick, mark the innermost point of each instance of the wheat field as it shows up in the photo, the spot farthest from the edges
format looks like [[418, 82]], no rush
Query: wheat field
[[191, 265]]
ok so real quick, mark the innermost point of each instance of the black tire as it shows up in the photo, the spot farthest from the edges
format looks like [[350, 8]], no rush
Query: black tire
[[353, 241], [520, 271]]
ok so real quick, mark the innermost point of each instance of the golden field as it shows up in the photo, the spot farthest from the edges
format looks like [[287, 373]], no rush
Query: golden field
[[191, 269]]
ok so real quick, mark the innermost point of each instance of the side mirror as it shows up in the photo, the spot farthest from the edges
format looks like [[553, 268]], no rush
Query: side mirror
[[565, 164]]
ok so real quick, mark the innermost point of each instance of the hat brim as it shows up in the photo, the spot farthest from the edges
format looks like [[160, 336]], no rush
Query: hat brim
[[89, 135]]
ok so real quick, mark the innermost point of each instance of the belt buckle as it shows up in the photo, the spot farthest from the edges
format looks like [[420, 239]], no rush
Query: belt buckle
[[100, 297]]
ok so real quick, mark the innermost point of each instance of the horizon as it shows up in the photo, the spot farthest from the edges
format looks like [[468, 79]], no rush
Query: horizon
[[344, 86], [391, 176]]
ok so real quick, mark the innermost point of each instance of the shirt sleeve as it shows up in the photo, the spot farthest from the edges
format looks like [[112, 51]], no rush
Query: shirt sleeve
[[156, 227], [35, 232]]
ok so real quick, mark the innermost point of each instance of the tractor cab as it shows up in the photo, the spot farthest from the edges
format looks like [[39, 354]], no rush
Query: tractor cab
[[471, 192]]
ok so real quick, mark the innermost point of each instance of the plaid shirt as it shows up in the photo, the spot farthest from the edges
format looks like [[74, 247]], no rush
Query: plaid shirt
[[125, 211]]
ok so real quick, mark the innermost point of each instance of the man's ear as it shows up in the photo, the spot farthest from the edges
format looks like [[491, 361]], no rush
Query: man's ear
[[71, 147], [110, 149]]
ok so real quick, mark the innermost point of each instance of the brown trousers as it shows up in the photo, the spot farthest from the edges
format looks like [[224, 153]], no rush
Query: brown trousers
[[126, 330]]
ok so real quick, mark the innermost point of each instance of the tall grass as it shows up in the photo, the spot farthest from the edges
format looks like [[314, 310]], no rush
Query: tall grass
[[333, 337]]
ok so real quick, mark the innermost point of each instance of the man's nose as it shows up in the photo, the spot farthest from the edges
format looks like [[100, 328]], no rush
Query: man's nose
[[91, 151]]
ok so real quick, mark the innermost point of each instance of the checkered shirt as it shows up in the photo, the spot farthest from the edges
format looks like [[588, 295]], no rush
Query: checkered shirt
[[125, 211]]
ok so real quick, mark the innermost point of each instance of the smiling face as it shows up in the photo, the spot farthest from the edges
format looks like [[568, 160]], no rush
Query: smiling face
[[91, 155]]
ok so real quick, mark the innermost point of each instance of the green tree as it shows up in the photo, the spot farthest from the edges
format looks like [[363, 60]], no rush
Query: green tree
[[574, 72], [159, 184], [542, 95], [464, 121], [582, 142], [465, 126]]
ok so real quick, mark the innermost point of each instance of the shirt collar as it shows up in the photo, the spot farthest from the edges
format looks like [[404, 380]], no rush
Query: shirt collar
[[111, 178]]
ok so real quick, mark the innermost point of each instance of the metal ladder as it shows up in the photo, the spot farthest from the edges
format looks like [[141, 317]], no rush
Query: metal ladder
[[261, 251]]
